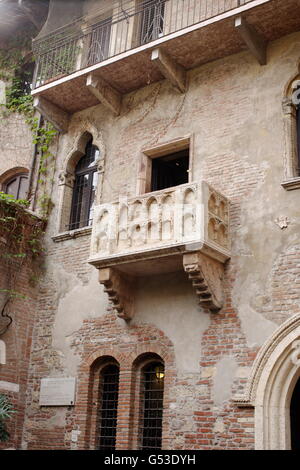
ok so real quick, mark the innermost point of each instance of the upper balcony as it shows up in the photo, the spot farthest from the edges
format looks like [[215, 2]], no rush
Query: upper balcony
[[104, 55]]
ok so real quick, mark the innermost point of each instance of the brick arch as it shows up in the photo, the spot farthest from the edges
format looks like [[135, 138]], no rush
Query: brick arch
[[151, 348], [102, 352], [8, 174]]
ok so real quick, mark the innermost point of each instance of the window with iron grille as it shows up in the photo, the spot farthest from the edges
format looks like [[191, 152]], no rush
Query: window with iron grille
[[85, 185], [107, 412], [152, 20], [152, 406], [17, 186]]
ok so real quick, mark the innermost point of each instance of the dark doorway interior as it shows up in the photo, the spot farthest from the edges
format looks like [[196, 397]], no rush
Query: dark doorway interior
[[295, 418], [170, 170]]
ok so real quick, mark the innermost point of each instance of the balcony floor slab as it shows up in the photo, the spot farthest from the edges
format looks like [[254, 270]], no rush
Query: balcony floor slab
[[206, 42]]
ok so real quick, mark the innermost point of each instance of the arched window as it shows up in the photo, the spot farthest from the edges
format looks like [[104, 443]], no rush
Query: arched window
[[17, 186], [152, 392], [108, 407], [86, 177]]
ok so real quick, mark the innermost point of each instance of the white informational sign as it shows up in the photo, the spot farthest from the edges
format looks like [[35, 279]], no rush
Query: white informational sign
[[57, 392]]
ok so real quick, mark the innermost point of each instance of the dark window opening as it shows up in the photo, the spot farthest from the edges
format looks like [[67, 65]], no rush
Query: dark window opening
[[17, 186], [152, 406], [107, 415], [169, 171], [85, 185], [295, 418], [100, 41], [152, 20]]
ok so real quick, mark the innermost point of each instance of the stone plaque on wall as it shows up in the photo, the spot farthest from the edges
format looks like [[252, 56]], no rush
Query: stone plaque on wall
[[57, 392]]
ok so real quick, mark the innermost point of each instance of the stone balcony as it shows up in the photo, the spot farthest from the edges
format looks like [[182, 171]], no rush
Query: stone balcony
[[184, 227], [98, 61]]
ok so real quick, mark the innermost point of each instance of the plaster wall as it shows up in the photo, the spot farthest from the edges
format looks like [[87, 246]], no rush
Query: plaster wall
[[15, 140]]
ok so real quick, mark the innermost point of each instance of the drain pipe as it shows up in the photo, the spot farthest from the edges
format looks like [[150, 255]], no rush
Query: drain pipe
[[33, 164]]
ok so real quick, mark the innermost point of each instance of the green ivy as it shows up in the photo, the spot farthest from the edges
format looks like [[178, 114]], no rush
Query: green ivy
[[21, 229], [6, 411]]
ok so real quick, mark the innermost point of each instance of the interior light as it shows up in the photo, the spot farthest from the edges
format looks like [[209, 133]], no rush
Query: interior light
[[159, 372]]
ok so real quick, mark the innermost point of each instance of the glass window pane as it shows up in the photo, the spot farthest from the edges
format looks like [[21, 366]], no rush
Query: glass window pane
[[12, 188], [23, 187]]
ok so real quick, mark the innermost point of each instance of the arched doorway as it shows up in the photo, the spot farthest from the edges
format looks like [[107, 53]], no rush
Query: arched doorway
[[273, 389], [295, 417]]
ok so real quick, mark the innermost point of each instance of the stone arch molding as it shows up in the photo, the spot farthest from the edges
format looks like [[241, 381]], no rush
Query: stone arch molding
[[76, 147], [274, 375]]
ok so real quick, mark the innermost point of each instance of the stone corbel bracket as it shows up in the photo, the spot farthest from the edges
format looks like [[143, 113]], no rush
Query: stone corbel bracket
[[119, 290], [206, 275]]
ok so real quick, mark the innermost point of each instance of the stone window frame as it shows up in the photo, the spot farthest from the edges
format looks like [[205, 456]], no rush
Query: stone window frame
[[66, 179], [291, 171], [147, 154]]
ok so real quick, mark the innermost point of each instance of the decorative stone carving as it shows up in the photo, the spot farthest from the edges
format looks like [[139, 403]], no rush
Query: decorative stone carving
[[206, 275], [186, 227], [295, 357], [120, 291], [282, 222], [66, 179], [186, 213]]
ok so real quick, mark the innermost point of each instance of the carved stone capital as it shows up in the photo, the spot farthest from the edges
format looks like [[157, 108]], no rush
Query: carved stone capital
[[295, 357], [66, 178], [288, 107], [206, 275], [120, 291]]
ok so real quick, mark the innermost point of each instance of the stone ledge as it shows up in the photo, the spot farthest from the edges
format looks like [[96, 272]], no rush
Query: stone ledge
[[80, 232], [291, 184]]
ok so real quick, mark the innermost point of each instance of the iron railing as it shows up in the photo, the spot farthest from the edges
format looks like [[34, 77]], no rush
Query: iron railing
[[128, 25]]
